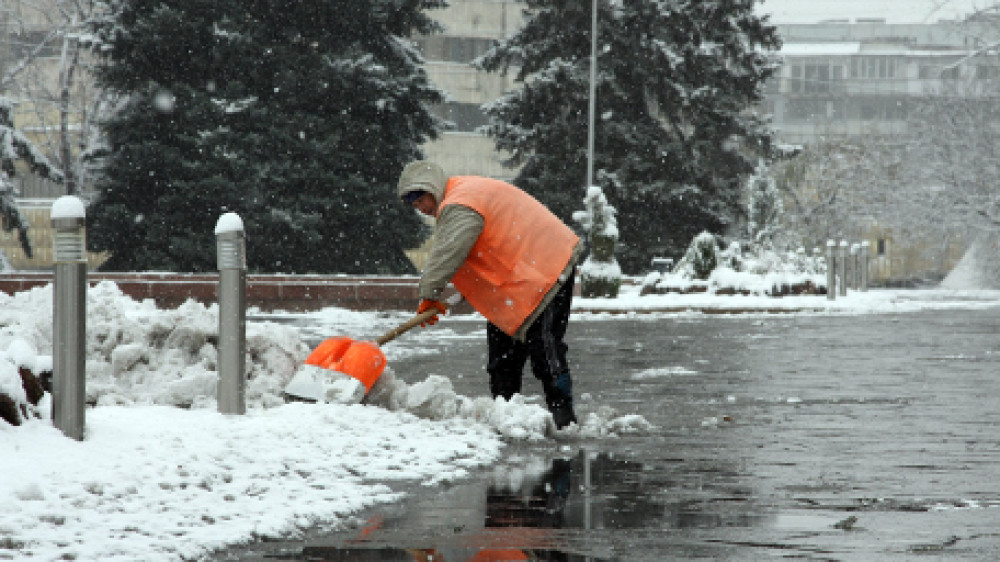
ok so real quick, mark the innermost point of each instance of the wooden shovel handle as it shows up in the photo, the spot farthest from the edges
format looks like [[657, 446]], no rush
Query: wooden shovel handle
[[424, 316], [407, 326]]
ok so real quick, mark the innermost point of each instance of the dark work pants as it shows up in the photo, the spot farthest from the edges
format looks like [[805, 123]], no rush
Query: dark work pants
[[543, 345]]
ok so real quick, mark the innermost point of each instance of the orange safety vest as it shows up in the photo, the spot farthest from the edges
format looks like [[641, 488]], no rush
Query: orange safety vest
[[519, 255]]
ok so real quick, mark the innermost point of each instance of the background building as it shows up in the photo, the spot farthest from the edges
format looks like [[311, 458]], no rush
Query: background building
[[471, 27], [852, 78]]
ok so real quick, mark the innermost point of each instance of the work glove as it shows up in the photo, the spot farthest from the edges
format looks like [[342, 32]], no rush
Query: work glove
[[428, 304]]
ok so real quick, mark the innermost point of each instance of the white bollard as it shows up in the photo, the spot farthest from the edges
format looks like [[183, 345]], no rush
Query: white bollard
[[69, 316], [231, 245]]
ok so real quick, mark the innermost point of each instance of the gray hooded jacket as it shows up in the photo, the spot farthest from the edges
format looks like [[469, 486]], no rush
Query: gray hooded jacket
[[455, 232]]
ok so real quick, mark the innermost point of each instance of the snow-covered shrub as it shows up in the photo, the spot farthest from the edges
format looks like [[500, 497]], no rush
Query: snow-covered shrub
[[600, 275], [701, 258], [732, 256], [742, 268], [21, 391], [764, 209]]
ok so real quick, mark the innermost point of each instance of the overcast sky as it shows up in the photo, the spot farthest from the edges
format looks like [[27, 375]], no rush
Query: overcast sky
[[894, 11]]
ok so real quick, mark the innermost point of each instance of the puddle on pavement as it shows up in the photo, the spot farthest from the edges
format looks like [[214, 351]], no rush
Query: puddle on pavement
[[582, 507]]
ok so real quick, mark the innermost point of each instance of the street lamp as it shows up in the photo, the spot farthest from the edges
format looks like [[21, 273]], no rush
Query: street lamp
[[593, 95]]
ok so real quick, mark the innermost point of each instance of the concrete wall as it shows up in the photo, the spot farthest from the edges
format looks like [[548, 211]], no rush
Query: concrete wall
[[292, 293]]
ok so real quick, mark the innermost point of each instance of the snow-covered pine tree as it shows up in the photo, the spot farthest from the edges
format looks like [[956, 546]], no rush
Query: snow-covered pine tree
[[701, 257], [600, 274], [764, 209], [675, 130], [298, 116]]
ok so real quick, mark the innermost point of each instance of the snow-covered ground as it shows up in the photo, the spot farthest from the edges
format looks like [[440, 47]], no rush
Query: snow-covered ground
[[160, 475]]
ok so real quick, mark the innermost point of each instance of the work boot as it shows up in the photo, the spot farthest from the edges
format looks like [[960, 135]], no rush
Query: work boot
[[562, 413], [559, 398]]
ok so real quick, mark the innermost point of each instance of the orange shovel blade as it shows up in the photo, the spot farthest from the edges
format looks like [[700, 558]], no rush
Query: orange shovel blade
[[329, 352], [361, 360]]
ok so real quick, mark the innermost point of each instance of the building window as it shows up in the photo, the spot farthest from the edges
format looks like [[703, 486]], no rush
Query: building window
[[817, 78], [881, 109], [951, 73], [987, 72], [806, 109], [453, 49], [814, 78], [941, 71], [875, 67], [796, 81], [466, 117]]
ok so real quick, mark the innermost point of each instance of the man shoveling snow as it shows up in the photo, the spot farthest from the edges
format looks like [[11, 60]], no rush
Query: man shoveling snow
[[514, 262]]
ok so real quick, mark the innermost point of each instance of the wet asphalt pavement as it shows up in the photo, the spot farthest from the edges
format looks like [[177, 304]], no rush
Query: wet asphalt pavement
[[871, 437]]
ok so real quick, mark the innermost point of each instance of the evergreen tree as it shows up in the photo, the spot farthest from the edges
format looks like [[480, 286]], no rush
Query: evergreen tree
[[296, 115], [14, 147], [675, 131]]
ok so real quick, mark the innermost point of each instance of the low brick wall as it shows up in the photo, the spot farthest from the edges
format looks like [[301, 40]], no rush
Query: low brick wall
[[295, 293]]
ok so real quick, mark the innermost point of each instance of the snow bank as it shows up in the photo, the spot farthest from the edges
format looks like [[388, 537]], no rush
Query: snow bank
[[138, 354]]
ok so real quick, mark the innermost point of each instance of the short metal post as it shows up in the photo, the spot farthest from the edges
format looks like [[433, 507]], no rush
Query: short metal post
[[231, 245], [842, 269], [831, 270], [855, 270], [69, 313], [865, 246]]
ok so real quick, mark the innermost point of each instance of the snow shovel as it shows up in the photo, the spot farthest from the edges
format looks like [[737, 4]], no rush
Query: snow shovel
[[322, 378]]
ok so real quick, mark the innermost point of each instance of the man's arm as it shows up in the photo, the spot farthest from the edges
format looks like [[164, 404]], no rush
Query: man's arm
[[457, 229]]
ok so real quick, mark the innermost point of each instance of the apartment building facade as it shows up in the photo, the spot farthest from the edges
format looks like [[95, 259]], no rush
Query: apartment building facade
[[849, 78]]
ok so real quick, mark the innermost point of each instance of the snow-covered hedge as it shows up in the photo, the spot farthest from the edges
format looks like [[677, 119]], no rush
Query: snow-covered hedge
[[736, 270]]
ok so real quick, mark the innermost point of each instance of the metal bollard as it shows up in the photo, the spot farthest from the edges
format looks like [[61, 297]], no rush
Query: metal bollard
[[865, 246], [69, 313], [231, 245], [842, 269], [855, 270], [831, 270]]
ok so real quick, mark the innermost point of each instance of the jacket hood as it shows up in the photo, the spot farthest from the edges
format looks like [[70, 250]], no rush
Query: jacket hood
[[422, 175]]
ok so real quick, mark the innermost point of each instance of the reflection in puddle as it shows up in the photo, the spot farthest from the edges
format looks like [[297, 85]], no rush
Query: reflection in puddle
[[592, 506], [536, 509], [588, 507]]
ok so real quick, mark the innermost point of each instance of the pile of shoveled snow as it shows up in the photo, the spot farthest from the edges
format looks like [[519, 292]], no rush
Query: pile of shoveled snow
[[138, 354]]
